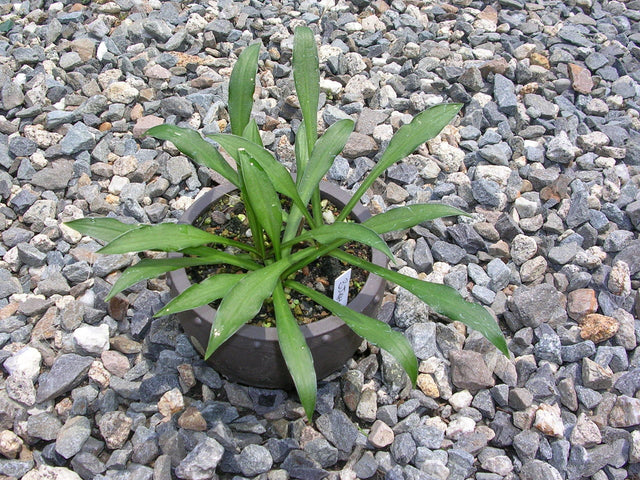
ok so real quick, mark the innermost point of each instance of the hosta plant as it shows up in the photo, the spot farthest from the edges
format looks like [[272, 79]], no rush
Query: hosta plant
[[286, 223]]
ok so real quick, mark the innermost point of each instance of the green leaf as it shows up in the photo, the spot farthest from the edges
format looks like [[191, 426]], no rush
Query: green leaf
[[243, 302], [241, 87], [238, 260], [198, 294], [149, 268], [375, 331], [352, 231], [166, 237], [410, 216], [306, 76], [302, 153], [278, 174], [252, 133], [105, 229], [263, 198], [6, 26], [296, 352], [423, 127], [192, 144], [441, 298], [322, 157]]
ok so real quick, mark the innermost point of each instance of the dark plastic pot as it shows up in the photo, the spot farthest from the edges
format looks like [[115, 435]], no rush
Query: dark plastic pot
[[252, 356]]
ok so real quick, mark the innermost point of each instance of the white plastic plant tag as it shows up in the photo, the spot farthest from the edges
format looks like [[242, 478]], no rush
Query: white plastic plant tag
[[341, 288]]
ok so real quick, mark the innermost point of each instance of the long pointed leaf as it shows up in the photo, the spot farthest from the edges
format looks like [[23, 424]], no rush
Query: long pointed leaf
[[149, 268], [410, 216], [423, 127], [241, 87], [306, 76], [252, 133], [263, 198], [244, 300], [352, 231], [198, 294], [302, 152], [278, 174], [197, 148], [238, 260], [242, 303], [105, 229], [295, 351], [441, 298], [322, 157], [375, 331], [166, 237]]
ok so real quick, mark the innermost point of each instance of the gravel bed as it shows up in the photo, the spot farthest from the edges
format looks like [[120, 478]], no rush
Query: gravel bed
[[545, 154]]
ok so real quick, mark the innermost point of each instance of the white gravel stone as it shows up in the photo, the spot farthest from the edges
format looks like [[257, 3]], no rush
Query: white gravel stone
[[25, 362], [459, 427], [92, 340], [121, 92], [548, 420], [460, 400]]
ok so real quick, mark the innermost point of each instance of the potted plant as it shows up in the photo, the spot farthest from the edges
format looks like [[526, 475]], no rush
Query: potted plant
[[288, 233]]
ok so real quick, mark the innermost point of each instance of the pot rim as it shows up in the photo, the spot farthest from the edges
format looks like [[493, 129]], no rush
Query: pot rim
[[206, 314]]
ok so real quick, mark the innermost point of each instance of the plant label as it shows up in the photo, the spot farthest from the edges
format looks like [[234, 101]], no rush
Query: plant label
[[341, 288]]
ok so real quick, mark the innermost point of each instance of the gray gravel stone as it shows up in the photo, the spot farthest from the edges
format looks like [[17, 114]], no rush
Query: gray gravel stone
[[54, 177], [299, 465], [338, 429], [44, 426], [22, 147], [66, 372], [560, 149], [320, 450], [504, 93], [254, 460], [486, 192], [201, 462], [447, 252], [72, 436], [422, 337], [535, 469], [77, 139], [528, 309], [403, 448]]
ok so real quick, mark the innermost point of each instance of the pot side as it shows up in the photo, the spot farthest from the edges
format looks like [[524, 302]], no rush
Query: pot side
[[252, 355]]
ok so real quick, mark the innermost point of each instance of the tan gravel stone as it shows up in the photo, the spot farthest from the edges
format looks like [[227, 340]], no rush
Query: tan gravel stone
[[581, 80], [381, 434], [171, 402], [115, 428], [619, 282], [598, 328], [125, 345], [99, 374], [427, 384], [115, 362], [581, 302], [85, 47], [539, 60], [192, 419], [121, 92], [10, 444], [187, 376]]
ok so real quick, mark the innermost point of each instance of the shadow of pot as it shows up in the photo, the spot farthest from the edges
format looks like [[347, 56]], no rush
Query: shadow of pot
[[252, 356]]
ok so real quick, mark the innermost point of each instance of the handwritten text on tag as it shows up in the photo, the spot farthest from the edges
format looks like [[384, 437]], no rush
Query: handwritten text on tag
[[341, 288]]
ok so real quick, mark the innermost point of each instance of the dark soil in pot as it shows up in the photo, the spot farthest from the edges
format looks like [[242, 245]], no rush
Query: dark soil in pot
[[252, 356]]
